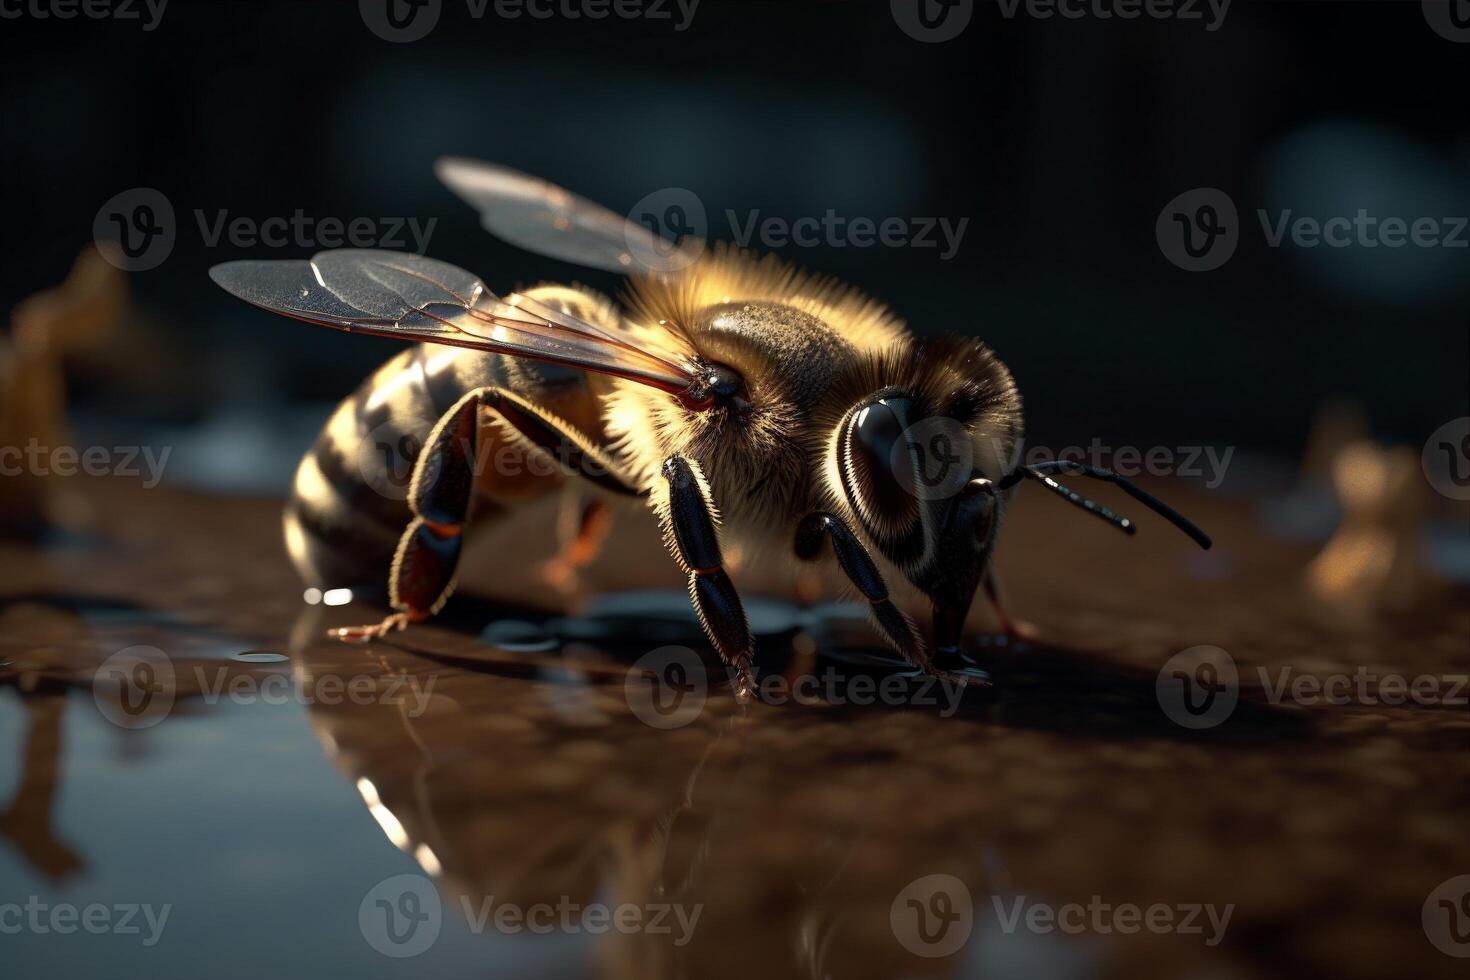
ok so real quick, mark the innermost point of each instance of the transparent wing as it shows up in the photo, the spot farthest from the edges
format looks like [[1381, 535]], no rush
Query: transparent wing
[[541, 217], [408, 296]]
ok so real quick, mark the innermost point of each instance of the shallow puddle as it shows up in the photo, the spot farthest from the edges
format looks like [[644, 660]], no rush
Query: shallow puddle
[[512, 791]]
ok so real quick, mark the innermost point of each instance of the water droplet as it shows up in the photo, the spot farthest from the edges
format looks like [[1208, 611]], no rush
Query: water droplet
[[259, 657], [518, 636]]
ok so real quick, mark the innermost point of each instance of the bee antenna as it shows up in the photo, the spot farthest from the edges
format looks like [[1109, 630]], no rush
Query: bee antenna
[[1041, 471]]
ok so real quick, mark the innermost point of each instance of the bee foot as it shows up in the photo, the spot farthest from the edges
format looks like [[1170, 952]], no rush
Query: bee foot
[[743, 683], [376, 631], [1021, 631], [562, 576], [953, 677]]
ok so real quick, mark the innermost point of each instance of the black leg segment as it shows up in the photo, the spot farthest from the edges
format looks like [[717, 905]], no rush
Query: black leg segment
[[860, 570], [696, 547]]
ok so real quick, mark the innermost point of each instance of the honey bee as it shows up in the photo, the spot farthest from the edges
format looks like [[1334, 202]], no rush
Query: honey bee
[[738, 396]]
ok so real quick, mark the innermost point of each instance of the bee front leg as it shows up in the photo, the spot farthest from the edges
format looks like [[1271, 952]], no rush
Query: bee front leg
[[858, 566], [689, 525], [442, 491]]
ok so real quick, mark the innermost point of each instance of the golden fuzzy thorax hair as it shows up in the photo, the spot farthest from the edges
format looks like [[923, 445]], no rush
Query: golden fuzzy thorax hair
[[809, 349]]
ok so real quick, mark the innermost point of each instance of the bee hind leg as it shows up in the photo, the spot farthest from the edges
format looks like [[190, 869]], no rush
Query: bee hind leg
[[688, 520], [442, 491], [581, 544], [858, 566], [1016, 629]]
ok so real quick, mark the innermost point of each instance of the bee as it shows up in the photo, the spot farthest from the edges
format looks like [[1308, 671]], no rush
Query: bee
[[739, 397]]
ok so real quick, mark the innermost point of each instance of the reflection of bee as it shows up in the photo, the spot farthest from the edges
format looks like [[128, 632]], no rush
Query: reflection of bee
[[798, 407]]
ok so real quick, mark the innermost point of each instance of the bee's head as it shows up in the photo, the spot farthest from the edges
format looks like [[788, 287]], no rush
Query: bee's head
[[915, 454]]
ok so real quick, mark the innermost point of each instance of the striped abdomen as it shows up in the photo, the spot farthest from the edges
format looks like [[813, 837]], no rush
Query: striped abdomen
[[348, 504]]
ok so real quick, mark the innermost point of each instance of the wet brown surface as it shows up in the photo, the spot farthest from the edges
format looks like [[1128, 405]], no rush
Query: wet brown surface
[[795, 828]]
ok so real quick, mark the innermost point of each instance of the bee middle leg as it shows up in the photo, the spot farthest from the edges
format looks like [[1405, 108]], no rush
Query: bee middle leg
[[442, 491], [858, 566]]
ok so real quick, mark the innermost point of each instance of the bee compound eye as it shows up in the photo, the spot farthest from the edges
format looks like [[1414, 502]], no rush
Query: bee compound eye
[[875, 439]]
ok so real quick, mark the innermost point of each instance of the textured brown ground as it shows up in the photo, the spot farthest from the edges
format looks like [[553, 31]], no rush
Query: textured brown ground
[[797, 826]]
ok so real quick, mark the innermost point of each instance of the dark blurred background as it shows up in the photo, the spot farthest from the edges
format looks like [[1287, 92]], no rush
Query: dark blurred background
[[1060, 140]]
